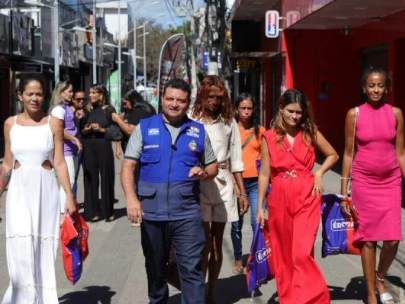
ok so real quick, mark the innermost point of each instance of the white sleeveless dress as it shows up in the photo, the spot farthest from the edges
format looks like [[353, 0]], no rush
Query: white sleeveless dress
[[33, 218]]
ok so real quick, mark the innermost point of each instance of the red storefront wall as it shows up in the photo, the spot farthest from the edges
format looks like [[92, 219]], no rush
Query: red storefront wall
[[326, 65]]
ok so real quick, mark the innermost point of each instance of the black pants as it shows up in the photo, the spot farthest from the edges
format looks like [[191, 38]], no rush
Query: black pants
[[188, 239], [98, 163]]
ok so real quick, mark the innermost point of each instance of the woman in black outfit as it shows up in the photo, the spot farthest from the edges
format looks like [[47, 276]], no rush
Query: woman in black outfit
[[135, 109], [98, 157]]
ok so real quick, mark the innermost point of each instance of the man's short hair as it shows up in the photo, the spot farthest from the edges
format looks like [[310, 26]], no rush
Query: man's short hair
[[178, 84]]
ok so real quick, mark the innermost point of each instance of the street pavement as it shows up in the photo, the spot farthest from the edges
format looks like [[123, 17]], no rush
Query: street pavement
[[114, 271]]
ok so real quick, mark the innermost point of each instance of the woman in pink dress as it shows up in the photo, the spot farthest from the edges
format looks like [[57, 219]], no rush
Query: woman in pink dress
[[376, 178]]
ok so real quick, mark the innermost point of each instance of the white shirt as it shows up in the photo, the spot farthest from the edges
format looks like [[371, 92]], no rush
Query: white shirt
[[58, 112], [226, 142]]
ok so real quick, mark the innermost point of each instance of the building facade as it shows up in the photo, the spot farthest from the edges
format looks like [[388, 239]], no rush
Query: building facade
[[322, 49], [27, 46]]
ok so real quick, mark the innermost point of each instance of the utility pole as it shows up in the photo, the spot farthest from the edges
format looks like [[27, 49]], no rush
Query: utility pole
[[193, 66], [93, 31], [119, 52], [144, 62], [135, 60], [56, 39]]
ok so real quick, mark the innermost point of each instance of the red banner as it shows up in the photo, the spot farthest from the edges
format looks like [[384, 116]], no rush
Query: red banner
[[169, 60]]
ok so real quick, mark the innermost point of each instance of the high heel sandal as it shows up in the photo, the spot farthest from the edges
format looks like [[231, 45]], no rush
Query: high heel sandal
[[95, 219], [386, 297], [110, 219]]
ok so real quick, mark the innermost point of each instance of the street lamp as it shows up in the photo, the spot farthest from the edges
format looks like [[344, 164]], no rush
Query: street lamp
[[144, 52], [134, 30]]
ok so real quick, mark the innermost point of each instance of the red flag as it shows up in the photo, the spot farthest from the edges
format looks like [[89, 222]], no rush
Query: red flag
[[169, 60]]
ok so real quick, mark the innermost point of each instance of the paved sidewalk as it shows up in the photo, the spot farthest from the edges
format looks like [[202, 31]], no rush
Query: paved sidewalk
[[114, 271]]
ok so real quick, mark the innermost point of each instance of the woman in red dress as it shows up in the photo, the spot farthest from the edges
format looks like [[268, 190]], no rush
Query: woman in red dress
[[288, 155]]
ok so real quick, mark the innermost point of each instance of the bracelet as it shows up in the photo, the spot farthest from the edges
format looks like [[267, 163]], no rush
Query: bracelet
[[346, 199], [242, 194], [345, 178]]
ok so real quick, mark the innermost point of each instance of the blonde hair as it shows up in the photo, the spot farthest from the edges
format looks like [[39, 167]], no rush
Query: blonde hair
[[56, 98]]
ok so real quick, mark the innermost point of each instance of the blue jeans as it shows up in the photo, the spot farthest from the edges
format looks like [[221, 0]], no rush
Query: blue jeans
[[188, 239], [252, 191]]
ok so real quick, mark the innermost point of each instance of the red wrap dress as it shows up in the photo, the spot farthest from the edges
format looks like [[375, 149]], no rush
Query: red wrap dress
[[294, 216]]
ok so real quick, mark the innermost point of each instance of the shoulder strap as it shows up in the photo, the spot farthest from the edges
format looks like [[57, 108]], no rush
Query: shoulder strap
[[15, 119], [49, 118], [248, 140], [349, 185]]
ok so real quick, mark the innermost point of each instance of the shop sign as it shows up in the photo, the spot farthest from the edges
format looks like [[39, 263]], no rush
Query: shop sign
[[247, 64], [292, 17], [25, 67], [272, 24]]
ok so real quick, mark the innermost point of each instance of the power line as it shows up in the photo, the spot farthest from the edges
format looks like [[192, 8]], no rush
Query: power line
[[170, 14]]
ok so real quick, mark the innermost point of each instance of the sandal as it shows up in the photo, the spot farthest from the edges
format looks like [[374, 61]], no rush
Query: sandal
[[95, 219], [237, 270], [110, 219], [386, 297], [135, 224]]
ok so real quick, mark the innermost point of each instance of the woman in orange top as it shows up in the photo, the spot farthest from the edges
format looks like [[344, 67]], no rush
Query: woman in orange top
[[251, 137]]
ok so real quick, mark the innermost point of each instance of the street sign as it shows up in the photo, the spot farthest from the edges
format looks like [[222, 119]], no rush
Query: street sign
[[272, 24]]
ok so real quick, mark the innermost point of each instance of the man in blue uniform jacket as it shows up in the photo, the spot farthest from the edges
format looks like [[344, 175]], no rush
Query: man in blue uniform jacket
[[172, 153]]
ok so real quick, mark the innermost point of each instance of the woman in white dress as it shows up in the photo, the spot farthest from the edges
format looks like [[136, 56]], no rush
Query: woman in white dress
[[33, 152], [218, 200]]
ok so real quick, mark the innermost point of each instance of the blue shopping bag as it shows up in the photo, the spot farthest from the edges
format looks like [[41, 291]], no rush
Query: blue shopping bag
[[337, 228], [259, 268]]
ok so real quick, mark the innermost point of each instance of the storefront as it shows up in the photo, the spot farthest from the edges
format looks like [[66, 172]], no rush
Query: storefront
[[322, 50]]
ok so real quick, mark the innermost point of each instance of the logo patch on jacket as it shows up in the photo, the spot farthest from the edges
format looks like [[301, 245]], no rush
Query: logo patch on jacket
[[192, 145], [193, 132], [153, 131]]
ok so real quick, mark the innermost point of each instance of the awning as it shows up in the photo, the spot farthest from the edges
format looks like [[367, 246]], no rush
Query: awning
[[341, 14], [251, 9]]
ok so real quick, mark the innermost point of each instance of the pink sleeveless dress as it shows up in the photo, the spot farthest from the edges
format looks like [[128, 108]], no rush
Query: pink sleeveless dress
[[376, 176]]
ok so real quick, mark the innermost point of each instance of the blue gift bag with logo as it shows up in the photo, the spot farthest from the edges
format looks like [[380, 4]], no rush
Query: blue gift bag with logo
[[259, 268], [337, 228]]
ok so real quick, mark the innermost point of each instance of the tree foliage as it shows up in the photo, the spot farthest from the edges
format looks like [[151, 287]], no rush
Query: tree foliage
[[154, 42]]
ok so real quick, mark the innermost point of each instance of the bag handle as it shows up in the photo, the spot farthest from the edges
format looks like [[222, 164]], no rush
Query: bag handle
[[349, 184], [248, 140]]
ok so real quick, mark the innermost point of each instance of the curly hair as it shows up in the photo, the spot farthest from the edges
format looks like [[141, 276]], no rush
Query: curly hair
[[225, 109], [307, 124]]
